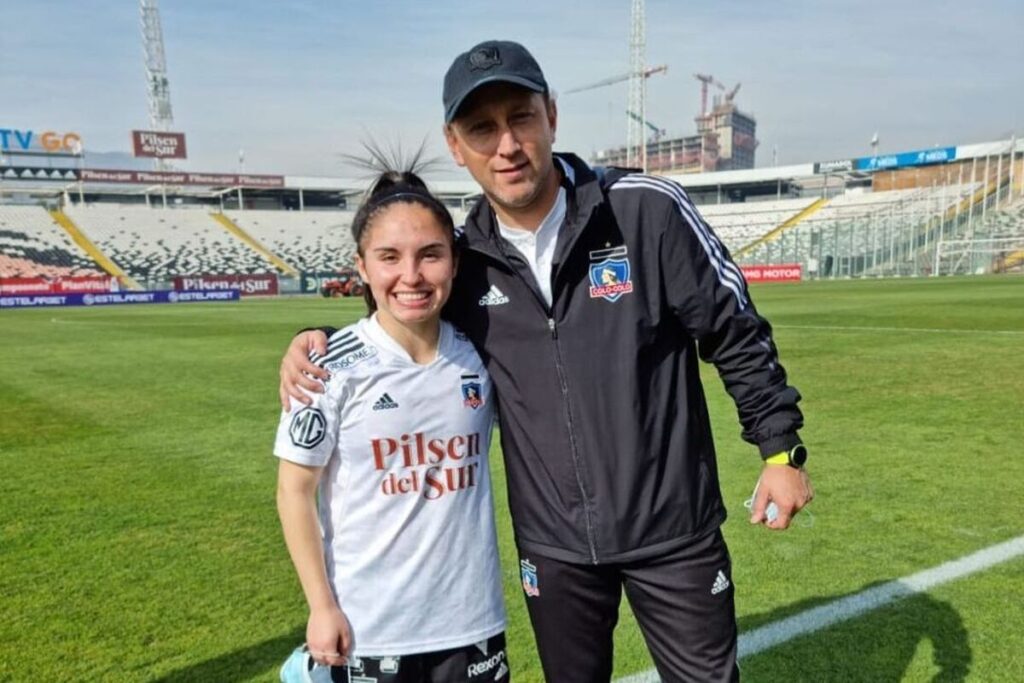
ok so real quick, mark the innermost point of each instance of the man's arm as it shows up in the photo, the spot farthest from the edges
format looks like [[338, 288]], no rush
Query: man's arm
[[708, 294], [299, 374]]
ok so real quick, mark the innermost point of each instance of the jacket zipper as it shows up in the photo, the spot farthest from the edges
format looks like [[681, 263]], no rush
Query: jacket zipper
[[572, 439], [564, 386]]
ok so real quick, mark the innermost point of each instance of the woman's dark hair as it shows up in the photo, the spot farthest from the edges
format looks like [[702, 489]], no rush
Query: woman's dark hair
[[392, 186]]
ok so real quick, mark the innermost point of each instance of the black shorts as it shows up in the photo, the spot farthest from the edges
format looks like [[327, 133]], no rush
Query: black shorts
[[483, 662], [683, 602]]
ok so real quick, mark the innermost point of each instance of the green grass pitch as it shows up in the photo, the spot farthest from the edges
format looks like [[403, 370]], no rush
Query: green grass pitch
[[139, 539]]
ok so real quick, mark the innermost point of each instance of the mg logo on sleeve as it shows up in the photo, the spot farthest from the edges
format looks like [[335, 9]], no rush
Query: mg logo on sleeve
[[308, 428]]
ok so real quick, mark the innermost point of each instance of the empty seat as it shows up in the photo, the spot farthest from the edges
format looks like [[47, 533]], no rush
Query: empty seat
[[158, 244], [307, 240]]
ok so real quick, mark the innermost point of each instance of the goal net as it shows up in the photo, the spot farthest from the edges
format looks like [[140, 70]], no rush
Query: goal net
[[979, 256]]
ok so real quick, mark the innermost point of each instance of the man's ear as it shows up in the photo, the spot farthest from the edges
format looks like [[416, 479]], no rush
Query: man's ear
[[552, 115], [451, 137]]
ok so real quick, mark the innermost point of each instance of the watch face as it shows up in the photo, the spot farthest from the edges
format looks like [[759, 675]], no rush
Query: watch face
[[798, 456]]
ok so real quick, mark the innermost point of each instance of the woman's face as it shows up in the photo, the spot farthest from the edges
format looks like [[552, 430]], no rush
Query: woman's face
[[408, 264]]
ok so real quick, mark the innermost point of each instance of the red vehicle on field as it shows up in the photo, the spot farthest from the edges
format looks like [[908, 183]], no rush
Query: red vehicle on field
[[348, 283]]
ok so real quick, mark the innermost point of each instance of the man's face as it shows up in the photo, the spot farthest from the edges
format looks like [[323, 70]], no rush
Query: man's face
[[503, 137]]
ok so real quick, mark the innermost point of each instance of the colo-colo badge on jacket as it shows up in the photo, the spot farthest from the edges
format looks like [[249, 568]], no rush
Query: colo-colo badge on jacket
[[609, 274]]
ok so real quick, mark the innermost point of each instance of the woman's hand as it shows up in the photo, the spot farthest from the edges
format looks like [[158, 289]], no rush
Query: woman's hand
[[328, 636]]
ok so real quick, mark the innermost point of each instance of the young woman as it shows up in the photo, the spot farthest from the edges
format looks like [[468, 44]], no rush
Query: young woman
[[398, 560]]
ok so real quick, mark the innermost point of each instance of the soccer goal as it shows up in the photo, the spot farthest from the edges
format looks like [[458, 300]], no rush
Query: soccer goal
[[979, 256]]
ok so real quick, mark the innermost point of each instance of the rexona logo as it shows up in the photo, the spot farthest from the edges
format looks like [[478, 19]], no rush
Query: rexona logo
[[429, 466], [496, 660], [14, 140]]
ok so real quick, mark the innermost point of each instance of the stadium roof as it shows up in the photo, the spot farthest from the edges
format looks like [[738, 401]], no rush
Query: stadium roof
[[456, 189], [51, 180]]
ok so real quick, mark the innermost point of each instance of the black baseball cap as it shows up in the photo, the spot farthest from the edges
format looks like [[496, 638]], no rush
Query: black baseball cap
[[491, 61]]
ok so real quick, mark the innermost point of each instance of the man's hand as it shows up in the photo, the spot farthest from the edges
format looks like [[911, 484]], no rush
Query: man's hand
[[297, 373], [789, 488], [328, 636]]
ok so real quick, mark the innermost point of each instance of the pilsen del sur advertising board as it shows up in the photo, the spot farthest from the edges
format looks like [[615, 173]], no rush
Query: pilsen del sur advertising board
[[262, 284], [156, 144], [95, 175]]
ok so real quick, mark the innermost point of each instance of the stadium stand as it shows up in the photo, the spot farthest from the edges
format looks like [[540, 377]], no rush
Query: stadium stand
[[919, 201], [32, 245], [1008, 222], [307, 240], [739, 224], [157, 244], [870, 233]]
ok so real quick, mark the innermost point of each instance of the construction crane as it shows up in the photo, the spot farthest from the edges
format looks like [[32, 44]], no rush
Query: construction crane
[[647, 73], [732, 93], [656, 133], [705, 81], [639, 72]]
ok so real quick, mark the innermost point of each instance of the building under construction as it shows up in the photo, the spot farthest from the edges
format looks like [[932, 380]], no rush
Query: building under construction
[[726, 140]]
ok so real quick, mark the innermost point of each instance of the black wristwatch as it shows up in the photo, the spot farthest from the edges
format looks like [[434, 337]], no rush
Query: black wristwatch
[[795, 457]]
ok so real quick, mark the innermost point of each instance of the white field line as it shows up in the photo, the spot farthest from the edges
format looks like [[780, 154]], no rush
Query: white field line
[[824, 616], [926, 330]]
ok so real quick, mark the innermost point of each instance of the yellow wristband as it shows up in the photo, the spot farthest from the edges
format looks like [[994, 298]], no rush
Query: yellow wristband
[[778, 459]]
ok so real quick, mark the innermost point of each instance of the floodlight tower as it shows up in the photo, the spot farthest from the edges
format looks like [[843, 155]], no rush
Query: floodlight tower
[[161, 117], [636, 154]]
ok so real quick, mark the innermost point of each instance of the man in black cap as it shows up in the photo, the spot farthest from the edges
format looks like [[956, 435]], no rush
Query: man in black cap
[[590, 294]]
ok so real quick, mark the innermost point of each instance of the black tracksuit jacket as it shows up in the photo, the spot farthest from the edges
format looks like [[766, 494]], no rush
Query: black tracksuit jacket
[[604, 426]]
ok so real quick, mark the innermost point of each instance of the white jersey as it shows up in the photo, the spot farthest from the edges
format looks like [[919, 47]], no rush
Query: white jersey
[[405, 497]]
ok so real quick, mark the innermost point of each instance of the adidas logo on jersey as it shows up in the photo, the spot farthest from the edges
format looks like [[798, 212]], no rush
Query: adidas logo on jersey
[[721, 583], [385, 402], [493, 297]]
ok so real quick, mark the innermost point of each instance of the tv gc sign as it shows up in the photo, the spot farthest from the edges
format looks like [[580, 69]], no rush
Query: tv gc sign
[[15, 140]]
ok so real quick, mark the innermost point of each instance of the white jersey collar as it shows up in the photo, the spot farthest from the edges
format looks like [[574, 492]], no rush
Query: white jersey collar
[[380, 338]]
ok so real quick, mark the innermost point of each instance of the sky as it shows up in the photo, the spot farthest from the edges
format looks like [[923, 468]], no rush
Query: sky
[[298, 83]]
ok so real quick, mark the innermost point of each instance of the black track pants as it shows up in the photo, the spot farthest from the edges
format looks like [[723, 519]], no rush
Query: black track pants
[[682, 600]]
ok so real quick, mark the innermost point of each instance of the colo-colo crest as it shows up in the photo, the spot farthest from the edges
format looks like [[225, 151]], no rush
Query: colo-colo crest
[[609, 274]]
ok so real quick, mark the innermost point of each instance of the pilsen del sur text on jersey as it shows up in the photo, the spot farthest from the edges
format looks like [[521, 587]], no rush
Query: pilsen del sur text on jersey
[[418, 461]]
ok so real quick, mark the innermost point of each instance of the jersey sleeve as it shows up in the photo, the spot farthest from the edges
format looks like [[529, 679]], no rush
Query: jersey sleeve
[[709, 295], [307, 435]]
